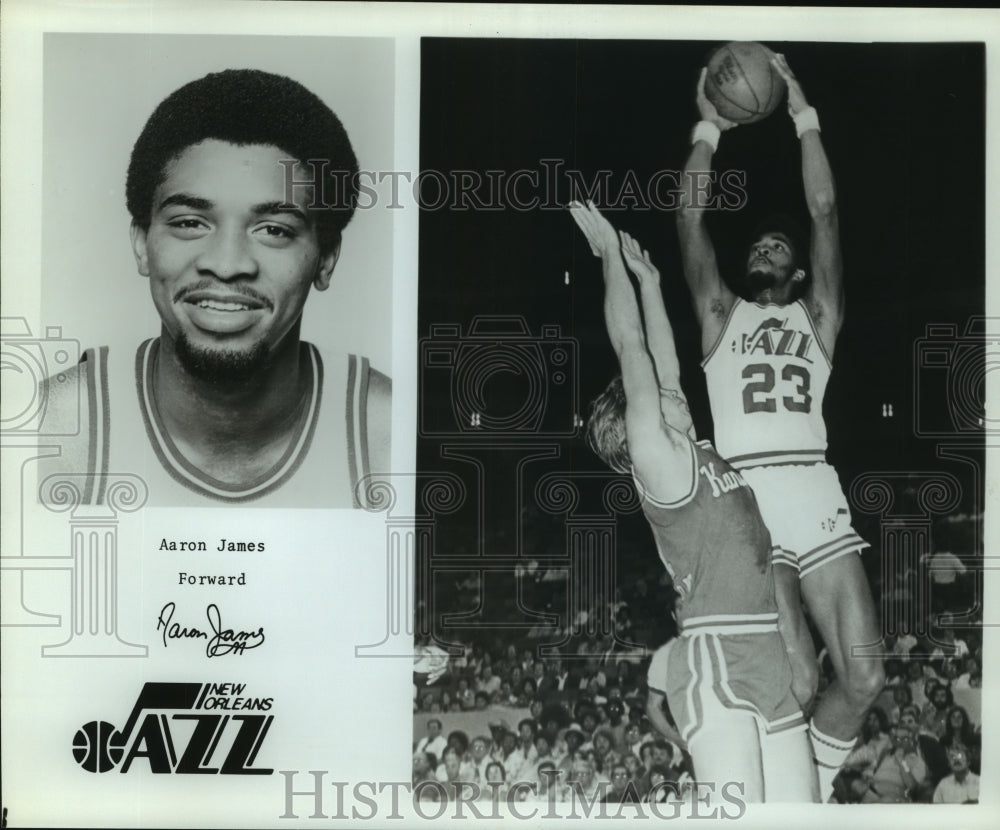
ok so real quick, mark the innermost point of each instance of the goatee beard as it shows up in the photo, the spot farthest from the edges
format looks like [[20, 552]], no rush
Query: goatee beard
[[221, 367], [761, 280]]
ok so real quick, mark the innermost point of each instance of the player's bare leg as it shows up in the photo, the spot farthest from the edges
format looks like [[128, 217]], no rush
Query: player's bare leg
[[727, 748], [839, 599], [786, 759], [795, 632]]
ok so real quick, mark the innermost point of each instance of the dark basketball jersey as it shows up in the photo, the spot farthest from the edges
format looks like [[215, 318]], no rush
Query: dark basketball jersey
[[714, 544]]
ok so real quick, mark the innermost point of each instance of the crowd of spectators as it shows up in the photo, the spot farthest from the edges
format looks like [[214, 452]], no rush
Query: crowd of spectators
[[609, 752], [570, 724], [922, 738], [587, 725], [926, 751]]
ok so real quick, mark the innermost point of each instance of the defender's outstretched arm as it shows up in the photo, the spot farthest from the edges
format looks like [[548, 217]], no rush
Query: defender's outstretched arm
[[659, 332], [659, 453]]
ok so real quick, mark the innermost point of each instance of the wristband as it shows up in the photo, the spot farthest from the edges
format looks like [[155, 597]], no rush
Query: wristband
[[708, 132], [805, 120]]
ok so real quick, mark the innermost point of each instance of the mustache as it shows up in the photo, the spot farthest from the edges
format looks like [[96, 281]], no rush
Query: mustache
[[230, 288]]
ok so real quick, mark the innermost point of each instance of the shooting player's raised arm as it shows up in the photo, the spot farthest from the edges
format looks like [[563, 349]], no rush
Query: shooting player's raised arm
[[660, 454], [711, 296], [826, 291]]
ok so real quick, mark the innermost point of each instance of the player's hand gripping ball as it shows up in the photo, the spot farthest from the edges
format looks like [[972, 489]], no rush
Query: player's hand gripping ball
[[742, 83]]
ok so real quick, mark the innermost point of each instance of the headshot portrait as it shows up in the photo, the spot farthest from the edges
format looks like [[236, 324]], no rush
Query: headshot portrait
[[224, 294]]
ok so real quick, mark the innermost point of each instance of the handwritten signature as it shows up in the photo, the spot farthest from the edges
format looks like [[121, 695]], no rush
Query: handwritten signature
[[220, 641]]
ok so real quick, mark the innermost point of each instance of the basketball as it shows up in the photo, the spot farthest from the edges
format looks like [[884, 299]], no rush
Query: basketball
[[741, 82], [93, 748]]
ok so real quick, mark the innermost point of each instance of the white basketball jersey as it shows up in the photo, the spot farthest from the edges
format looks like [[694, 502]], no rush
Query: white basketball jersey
[[766, 376], [321, 467]]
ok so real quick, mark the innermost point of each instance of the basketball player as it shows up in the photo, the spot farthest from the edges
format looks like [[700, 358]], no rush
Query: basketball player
[[656, 678], [728, 680], [767, 363], [234, 406]]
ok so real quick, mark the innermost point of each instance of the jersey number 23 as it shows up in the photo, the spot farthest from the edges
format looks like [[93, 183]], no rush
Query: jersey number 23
[[759, 395]]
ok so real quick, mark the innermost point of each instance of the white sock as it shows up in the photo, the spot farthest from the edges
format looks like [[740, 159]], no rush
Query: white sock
[[829, 755]]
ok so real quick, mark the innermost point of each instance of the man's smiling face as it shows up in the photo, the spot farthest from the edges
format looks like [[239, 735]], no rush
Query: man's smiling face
[[230, 265]]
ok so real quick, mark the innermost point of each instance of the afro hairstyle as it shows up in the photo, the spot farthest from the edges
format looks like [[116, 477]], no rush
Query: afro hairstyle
[[244, 107]]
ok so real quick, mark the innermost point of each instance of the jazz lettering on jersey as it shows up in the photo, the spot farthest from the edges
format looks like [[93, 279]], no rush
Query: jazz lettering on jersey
[[728, 481], [772, 338]]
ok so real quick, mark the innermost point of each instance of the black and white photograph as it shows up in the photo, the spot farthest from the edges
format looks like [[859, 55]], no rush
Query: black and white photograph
[[216, 386], [434, 414], [703, 363], [200, 267]]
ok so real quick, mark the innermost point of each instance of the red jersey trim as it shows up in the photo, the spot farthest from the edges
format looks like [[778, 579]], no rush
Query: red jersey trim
[[186, 474], [645, 495]]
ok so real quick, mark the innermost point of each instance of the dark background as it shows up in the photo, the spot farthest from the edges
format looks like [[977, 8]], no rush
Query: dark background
[[904, 128]]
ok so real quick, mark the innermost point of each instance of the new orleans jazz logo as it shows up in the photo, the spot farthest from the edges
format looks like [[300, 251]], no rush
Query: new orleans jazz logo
[[184, 728]]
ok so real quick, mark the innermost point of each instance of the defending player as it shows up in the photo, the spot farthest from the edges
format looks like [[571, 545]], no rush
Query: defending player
[[228, 404], [729, 681], [767, 363]]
